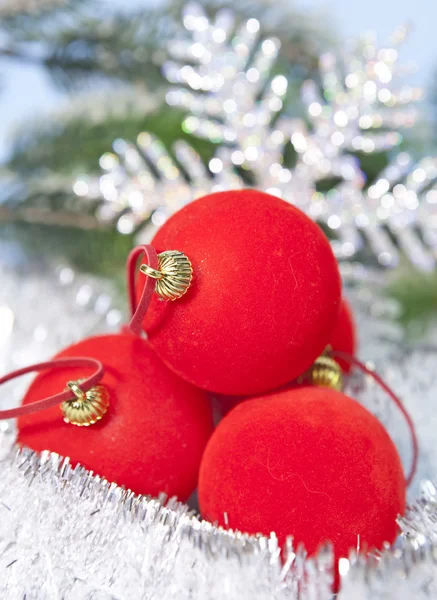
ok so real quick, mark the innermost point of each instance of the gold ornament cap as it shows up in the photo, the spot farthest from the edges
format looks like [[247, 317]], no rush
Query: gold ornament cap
[[325, 372], [87, 407], [173, 276]]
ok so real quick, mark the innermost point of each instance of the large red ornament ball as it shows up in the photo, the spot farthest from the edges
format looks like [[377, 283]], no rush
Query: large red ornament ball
[[264, 298], [344, 337], [308, 462], [152, 438]]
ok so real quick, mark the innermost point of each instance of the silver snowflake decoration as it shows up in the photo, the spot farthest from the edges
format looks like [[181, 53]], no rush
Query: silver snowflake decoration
[[395, 215], [241, 110], [359, 105], [144, 182], [221, 73], [224, 78], [228, 88]]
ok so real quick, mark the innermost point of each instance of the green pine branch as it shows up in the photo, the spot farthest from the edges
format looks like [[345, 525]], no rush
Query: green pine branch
[[101, 252], [71, 142], [81, 40], [416, 293]]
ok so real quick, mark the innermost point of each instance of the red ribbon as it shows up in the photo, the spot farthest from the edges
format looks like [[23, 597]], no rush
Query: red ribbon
[[138, 312], [60, 363], [135, 326], [414, 442]]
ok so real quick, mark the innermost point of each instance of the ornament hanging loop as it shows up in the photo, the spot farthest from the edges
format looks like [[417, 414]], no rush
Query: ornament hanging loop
[[73, 386], [79, 392], [153, 273]]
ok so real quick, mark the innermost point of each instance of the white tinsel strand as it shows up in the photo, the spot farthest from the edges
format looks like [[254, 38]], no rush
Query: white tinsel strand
[[68, 534], [409, 570], [399, 574], [421, 517]]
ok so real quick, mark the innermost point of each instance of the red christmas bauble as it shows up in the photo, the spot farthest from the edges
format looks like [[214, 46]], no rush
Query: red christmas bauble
[[308, 462], [152, 438], [264, 299], [343, 337]]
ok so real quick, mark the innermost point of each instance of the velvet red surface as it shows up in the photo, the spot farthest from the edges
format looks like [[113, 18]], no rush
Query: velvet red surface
[[344, 337], [152, 438], [264, 298], [308, 462]]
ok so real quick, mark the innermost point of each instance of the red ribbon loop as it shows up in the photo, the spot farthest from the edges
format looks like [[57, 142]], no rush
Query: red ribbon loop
[[138, 312], [59, 363]]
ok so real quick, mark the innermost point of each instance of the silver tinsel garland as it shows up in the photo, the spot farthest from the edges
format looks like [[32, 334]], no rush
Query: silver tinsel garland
[[65, 533], [68, 534]]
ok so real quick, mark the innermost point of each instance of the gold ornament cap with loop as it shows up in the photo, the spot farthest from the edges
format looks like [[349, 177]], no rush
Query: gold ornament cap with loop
[[173, 276], [87, 407], [324, 372]]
